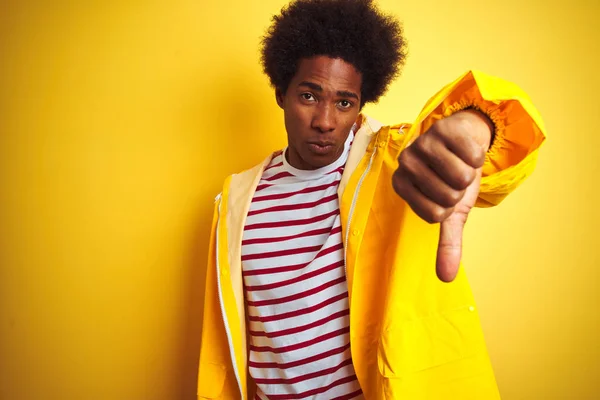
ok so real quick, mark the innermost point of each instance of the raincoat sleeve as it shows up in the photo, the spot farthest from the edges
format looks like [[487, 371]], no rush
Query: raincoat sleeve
[[519, 129]]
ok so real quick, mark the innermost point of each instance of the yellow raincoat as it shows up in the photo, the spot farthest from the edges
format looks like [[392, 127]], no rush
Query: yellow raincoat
[[412, 336]]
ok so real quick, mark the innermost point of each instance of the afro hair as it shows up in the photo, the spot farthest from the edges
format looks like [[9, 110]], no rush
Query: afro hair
[[355, 31]]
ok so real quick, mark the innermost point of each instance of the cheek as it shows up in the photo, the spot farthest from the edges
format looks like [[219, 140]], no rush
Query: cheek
[[292, 131], [297, 121], [349, 122]]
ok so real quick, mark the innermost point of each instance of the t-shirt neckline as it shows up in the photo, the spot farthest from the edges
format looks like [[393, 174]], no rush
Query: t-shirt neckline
[[315, 173]]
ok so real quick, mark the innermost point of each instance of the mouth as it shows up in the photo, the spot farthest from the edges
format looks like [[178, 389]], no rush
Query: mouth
[[320, 148]]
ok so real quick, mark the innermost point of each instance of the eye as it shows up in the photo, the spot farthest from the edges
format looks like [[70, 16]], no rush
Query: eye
[[307, 97], [345, 104]]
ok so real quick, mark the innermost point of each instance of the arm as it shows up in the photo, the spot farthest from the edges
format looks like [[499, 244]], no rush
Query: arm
[[518, 129], [473, 143]]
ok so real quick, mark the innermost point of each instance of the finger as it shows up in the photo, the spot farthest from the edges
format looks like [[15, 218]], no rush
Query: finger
[[455, 133], [451, 168], [449, 250], [428, 181], [420, 204], [451, 232]]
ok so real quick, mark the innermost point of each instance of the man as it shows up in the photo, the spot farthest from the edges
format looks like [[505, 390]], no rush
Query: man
[[321, 279]]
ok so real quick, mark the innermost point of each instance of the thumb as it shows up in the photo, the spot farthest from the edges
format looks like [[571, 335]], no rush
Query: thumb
[[449, 250], [450, 246], [451, 230]]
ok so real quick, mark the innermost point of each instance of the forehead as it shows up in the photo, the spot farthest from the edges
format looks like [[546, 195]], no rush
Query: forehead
[[330, 73]]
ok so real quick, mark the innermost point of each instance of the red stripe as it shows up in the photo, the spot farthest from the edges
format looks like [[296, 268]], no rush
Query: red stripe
[[296, 313], [280, 164], [307, 360], [340, 170], [349, 396], [294, 267], [279, 196], [280, 175], [281, 224], [302, 345], [302, 328], [300, 278], [261, 187], [297, 206], [312, 375], [274, 270], [297, 296], [308, 393], [300, 235], [281, 253]]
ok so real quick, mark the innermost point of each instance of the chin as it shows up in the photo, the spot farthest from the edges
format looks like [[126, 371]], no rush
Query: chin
[[312, 160], [320, 161]]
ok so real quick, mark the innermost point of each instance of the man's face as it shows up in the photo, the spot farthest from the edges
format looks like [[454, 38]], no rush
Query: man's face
[[320, 106]]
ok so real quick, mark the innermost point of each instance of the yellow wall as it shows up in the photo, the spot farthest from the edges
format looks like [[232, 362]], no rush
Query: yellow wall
[[119, 121]]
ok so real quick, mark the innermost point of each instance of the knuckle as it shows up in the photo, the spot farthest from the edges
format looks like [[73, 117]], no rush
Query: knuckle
[[406, 163], [403, 158], [479, 158], [440, 124], [418, 145], [458, 196], [438, 214], [438, 129], [462, 124], [453, 197], [464, 178]]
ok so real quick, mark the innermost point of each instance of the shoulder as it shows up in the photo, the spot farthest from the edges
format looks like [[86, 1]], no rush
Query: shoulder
[[250, 176], [371, 127]]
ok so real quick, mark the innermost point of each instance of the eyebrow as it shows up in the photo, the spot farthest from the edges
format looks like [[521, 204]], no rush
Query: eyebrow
[[318, 88]]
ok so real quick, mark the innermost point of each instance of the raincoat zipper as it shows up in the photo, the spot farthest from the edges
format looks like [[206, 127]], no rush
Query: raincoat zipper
[[355, 199], [353, 205]]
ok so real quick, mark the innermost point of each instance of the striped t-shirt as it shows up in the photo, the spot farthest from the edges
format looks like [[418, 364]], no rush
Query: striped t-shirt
[[295, 285]]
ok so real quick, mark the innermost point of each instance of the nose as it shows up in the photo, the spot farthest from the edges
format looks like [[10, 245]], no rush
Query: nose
[[324, 118]]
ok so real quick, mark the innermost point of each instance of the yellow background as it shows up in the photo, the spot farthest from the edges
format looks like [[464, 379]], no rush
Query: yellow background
[[119, 121]]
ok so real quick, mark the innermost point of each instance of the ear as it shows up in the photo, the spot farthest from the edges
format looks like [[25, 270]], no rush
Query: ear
[[279, 97]]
